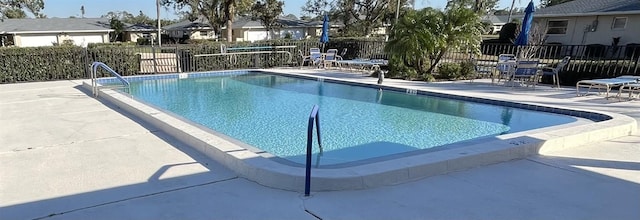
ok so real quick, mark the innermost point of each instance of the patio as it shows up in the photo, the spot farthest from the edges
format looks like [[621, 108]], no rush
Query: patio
[[64, 154]]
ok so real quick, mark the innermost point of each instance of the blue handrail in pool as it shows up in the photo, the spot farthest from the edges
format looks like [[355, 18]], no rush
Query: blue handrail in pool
[[312, 117]]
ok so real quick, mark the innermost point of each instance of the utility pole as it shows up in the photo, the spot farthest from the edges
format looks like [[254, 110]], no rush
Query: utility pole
[[513, 2], [159, 28], [397, 11]]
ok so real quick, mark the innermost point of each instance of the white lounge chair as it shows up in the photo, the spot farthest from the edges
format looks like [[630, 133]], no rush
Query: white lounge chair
[[363, 64], [606, 84], [630, 88]]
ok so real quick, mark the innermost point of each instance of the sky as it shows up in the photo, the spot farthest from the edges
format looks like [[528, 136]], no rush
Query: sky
[[97, 8]]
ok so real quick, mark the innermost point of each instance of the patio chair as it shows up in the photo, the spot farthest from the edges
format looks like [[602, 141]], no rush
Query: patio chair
[[303, 58], [341, 56], [505, 66], [330, 58], [606, 84], [313, 59], [526, 71], [480, 71], [555, 71]]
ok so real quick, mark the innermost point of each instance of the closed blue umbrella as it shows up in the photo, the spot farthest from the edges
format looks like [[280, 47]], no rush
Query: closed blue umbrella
[[523, 37], [324, 38]]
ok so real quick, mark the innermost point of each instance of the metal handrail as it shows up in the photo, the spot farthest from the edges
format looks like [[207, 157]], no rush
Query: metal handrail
[[94, 76], [312, 117], [289, 55]]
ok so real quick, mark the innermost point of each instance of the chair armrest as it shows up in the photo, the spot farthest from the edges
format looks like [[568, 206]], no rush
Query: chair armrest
[[548, 69]]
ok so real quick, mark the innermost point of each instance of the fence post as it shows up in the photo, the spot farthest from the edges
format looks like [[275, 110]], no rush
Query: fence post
[[86, 64]]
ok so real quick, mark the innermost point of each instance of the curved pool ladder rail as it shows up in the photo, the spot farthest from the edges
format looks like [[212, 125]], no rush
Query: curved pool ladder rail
[[94, 78], [313, 117]]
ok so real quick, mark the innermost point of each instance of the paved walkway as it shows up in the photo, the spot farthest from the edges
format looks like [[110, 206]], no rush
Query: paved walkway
[[65, 155]]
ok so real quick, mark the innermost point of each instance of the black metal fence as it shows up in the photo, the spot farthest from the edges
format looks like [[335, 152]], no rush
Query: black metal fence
[[55, 63], [597, 60]]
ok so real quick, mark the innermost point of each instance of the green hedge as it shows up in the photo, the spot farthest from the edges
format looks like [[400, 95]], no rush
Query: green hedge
[[41, 64], [120, 57]]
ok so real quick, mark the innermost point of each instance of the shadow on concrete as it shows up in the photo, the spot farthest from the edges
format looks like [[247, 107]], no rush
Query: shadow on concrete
[[72, 203], [584, 162]]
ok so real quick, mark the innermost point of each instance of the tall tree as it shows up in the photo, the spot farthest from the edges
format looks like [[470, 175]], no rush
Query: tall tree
[[117, 26], [267, 11], [33, 6], [504, 11], [547, 3], [316, 8], [217, 12], [359, 17], [482, 7], [291, 17], [141, 18], [129, 18], [120, 15], [15, 13]]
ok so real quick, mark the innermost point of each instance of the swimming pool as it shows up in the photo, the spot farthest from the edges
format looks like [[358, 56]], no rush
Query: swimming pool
[[270, 113], [267, 169]]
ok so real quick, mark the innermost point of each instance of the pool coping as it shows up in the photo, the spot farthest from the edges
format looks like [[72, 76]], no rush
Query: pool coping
[[265, 171]]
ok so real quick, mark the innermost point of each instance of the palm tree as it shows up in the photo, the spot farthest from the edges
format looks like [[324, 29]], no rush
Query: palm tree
[[427, 35], [410, 39], [459, 28], [33, 6], [217, 12]]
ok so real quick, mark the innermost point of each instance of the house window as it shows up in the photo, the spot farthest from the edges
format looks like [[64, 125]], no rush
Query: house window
[[204, 33], [619, 23], [557, 27]]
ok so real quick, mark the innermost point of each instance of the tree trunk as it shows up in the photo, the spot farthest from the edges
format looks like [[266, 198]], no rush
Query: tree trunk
[[478, 6], [438, 58], [230, 13]]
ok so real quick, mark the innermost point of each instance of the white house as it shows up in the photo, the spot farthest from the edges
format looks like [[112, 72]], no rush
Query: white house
[[497, 21], [198, 29], [245, 29], [584, 22], [53, 31], [137, 31]]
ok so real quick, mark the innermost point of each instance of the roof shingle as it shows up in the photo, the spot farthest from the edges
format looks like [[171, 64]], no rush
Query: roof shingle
[[590, 7], [54, 25]]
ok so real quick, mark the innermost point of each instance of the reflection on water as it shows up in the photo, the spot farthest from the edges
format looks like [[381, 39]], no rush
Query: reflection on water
[[271, 113]]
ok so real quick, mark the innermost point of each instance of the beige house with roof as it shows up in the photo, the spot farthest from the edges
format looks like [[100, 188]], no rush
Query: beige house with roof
[[53, 31], [584, 22]]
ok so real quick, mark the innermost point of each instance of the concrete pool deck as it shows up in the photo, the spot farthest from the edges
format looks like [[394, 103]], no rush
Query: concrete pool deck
[[66, 155]]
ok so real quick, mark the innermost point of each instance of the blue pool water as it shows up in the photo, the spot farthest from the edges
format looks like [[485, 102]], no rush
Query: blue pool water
[[271, 113]]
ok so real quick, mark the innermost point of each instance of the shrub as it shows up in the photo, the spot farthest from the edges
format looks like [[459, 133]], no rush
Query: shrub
[[449, 71], [143, 41], [508, 32], [29, 64], [467, 70]]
